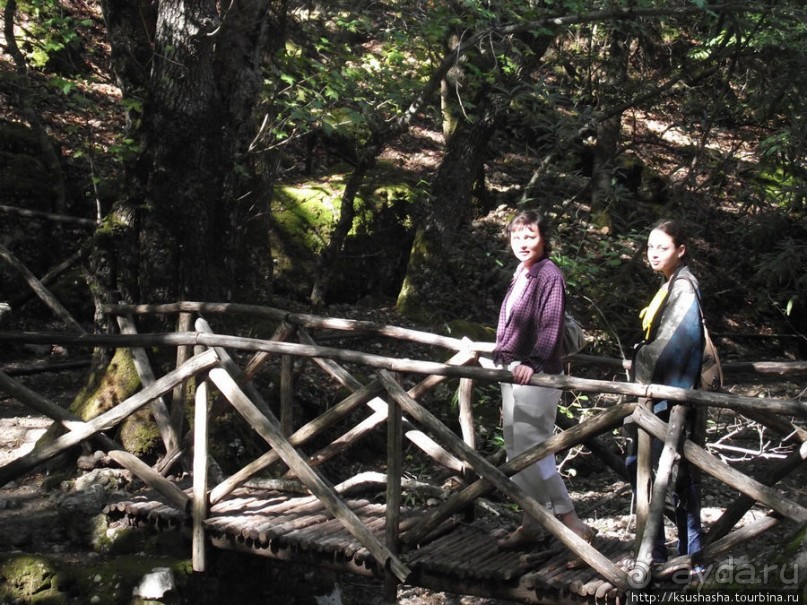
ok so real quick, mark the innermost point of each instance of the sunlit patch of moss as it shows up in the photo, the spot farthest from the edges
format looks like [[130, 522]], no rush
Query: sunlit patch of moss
[[459, 328], [139, 434], [115, 383], [302, 217], [30, 579]]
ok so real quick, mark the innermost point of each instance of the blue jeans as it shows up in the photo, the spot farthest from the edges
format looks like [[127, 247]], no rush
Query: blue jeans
[[686, 499]]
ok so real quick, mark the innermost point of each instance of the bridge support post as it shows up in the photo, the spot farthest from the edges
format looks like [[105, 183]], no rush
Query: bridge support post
[[667, 461], [394, 474], [199, 507], [643, 477]]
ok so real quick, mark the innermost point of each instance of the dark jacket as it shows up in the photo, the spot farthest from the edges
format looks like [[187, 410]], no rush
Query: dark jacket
[[533, 333], [672, 354]]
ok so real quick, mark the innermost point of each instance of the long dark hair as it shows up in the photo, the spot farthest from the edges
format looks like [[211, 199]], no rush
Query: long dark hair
[[532, 218], [675, 230]]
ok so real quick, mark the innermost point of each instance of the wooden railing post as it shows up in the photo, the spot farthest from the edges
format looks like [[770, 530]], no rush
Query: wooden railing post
[[287, 394], [180, 393], [725, 473], [643, 476], [465, 395], [667, 460], [393, 513], [200, 502]]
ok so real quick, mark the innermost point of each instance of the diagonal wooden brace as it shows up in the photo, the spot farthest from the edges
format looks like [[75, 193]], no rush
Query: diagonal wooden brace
[[485, 469], [268, 427], [667, 461]]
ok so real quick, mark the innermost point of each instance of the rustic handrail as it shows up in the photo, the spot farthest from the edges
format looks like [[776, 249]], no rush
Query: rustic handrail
[[740, 403], [304, 320]]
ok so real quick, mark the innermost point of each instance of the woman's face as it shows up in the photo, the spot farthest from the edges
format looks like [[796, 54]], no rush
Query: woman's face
[[527, 244], [663, 254]]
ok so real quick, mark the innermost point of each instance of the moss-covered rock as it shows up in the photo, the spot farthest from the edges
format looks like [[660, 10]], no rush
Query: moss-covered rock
[[30, 579], [459, 328], [377, 246]]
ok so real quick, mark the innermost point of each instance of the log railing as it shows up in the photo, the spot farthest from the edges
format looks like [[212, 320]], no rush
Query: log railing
[[390, 403]]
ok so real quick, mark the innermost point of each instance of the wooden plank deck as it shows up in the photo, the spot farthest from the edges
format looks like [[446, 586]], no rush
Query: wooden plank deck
[[457, 557]]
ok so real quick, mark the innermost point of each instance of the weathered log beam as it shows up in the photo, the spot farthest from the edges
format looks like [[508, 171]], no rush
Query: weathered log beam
[[115, 451], [107, 420], [299, 319], [282, 334], [181, 391], [666, 464], [393, 493], [200, 505], [719, 547], [600, 450], [152, 478], [600, 423], [301, 436], [330, 417], [730, 368], [379, 407], [776, 368], [735, 511]]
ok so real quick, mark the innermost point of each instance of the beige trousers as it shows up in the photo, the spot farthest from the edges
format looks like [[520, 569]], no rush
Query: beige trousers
[[528, 418]]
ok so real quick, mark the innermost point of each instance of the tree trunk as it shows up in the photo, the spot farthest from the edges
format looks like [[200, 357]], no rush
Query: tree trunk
[[457, 180], [130, 26], [188, 225], [184, 229], [608, 133], [451, 197]]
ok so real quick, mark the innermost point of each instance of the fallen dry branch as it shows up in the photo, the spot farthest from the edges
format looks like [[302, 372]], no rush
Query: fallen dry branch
[[41, 291]]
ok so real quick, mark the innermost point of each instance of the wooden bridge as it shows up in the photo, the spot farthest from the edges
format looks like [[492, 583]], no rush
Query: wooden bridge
[[299, 515]]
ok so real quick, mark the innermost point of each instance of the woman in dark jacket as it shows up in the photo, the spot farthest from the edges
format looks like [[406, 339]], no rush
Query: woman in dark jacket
[[671, 354]]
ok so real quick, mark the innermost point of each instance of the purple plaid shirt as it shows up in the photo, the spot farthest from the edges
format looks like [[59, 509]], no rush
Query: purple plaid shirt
[[534, 330]]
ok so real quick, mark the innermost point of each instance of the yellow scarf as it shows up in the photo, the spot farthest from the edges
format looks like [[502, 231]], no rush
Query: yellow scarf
[[648, 314]]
